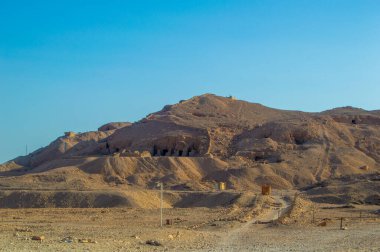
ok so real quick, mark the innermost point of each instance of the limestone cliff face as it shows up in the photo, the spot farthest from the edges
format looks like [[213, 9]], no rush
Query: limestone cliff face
[[114, 126], [210, 138], [160, 138]]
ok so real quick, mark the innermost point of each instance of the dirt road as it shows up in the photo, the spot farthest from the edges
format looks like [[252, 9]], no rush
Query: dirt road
[[233, 239], [128, 229]]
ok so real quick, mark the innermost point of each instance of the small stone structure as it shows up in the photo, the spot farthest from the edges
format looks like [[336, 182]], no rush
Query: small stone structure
[[266, 189], [364, 167], [222, 186], [70, 134], [169, 222]]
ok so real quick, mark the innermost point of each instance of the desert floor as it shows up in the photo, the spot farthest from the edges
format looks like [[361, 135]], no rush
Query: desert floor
[[193, 229]]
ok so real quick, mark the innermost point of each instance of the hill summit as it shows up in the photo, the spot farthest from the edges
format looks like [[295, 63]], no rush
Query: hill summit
[[204, 140]]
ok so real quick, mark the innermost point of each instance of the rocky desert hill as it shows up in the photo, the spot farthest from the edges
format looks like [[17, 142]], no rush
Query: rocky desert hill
[[196, 143]]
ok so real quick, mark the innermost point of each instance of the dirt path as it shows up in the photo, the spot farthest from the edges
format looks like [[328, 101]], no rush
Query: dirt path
[[272, 213], [323, 167], [233, 239], [128, 229]]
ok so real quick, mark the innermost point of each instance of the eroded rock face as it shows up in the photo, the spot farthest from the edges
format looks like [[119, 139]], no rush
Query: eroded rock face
[[179, 146], [251, 144], [268, 142], [70, 145], [258, 149], [357, 119], [354, 116], [286, 132], [114, 126], [240, 143], [160, 139]]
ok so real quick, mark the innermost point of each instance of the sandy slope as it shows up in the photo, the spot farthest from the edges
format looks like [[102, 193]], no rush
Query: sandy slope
[[232, 240], [199, 142], [127, 229]]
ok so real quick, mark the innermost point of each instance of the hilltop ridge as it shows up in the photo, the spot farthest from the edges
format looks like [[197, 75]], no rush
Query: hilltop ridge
[[207, 139]]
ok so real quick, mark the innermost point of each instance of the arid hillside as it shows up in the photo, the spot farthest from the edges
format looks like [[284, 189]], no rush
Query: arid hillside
[[196, 143]]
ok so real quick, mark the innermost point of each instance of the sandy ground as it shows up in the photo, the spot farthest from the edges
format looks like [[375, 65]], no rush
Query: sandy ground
[[360, 237], [127, 229], [232, 239]]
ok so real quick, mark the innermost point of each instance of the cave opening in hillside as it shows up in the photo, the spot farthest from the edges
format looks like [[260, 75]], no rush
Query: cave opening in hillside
[[164, 152], [188, 152], [180, 153], [299, 141], [108, 147], [155, 150], [353, 121], [117, 149]]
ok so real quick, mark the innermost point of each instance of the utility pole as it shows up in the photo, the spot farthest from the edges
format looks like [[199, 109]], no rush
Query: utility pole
[[26, 150], [162, 199], [161, 185]]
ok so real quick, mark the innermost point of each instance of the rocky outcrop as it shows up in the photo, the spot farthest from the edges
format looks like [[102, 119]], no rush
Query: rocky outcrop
[[208, 139], [114, 126], [160, 139]]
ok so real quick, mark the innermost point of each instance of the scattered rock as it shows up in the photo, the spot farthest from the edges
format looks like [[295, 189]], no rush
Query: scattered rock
[[322, 224], [23, 230], [38, 238], [68, 239], [177, 235], [178, 220], [153, 243], [263, 222], [87, 241]]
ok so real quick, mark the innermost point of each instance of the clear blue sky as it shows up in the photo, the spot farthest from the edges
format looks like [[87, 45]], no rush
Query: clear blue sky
[[75, 65]]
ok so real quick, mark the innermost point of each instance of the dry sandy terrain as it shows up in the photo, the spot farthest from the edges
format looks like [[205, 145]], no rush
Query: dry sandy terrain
[[196, 143], [97, 191], [194, 229]]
